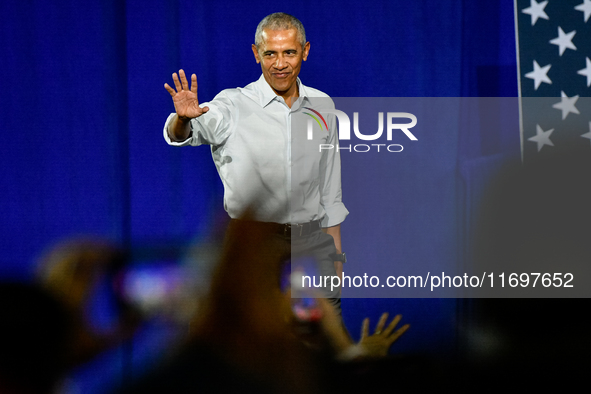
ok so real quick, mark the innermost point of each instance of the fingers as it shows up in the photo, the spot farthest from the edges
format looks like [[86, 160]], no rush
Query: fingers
[[365, 328], [392, 324], [169, 89], [381, 323], [392, 338], [194, 83], [184, 79], [177, 83], [181, 84]]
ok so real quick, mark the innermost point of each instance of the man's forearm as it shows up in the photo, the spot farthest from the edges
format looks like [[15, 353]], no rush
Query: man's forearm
[[335, 232], [178, 129]]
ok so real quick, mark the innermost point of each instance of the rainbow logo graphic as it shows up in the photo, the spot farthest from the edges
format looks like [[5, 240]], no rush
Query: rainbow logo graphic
[[316, 119]]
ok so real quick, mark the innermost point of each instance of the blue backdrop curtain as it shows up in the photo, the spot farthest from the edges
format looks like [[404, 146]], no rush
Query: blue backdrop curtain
[[83, 106]]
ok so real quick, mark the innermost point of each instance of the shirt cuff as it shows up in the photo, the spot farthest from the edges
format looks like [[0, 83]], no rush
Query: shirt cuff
[[335, 214], [167, 137]]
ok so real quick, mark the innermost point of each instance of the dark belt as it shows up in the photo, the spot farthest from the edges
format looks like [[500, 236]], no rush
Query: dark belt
[[290, 230]]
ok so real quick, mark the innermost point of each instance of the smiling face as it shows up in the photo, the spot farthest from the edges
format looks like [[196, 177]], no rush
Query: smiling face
[[280, 56]]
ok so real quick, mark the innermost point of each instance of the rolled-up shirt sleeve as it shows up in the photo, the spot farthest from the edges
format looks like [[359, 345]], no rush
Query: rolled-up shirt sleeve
[[211, 128], [330, 181], [167, 138]]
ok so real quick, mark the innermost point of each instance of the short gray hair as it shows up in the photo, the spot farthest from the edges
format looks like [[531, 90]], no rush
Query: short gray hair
[[280, 21]]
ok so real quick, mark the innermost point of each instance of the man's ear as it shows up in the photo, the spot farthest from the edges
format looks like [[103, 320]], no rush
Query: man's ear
[[306, 50], [256, 53]]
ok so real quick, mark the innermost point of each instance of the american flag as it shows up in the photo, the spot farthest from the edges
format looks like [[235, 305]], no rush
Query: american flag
[[554, 59]]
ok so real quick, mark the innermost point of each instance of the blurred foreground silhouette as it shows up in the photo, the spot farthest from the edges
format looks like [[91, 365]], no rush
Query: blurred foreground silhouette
[[245, 337], [536, 218]]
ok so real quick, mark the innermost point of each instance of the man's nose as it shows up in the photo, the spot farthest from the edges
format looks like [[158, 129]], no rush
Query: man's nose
[[280, 62]]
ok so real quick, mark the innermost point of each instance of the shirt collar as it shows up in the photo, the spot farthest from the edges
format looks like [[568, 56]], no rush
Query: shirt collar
[[266, 93]]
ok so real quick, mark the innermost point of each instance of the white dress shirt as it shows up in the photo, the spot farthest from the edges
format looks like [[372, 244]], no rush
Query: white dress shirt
[[264, 158]]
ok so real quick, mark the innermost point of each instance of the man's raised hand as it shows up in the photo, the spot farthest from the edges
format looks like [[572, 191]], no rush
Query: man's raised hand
[[184, 98]]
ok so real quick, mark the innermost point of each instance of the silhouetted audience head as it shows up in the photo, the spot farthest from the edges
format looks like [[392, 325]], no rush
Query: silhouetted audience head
[[70, 271]]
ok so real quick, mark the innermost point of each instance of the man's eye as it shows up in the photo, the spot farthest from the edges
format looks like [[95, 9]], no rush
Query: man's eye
[[268, 54]]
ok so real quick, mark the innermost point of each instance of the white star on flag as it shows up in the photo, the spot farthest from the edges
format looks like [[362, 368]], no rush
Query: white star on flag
[[586, 72], [586, 8], [536, 10], [567, 105], [540, 74], [560, 50], [542, 137], [564, 41], [588, 135]]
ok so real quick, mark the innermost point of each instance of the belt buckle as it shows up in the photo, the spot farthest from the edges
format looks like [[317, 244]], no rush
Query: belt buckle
[[289, 228]]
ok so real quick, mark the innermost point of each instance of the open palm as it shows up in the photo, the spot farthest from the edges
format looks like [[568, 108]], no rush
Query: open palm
[[184, 98]]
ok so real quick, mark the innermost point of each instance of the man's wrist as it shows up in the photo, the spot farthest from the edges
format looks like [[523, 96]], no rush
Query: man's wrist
[[179, 129], [183, 119], [342, 257]]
